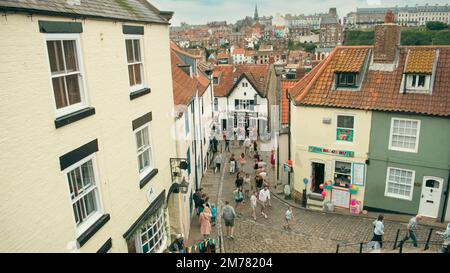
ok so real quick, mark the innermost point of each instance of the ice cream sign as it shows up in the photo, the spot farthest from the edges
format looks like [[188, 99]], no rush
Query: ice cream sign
[[319, 150]]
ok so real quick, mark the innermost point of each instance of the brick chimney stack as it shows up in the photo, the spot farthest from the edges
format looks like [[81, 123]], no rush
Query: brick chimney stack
[[387, 40]]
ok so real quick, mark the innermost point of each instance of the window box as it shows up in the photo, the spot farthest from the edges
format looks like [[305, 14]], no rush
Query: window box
[[74, 117], [147, 178], [83, 238], [139, 93]]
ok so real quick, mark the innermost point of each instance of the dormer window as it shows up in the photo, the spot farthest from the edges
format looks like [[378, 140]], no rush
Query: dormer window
[[346, 79], [216, 80], [418, 83]]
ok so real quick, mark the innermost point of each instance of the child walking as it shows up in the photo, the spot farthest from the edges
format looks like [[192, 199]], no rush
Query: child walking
[[288, 217]]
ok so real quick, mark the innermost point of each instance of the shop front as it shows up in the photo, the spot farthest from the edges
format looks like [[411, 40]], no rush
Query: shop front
[[337, 176], [149, 234]]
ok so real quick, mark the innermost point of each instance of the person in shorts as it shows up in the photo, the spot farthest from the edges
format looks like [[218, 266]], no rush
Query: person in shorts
[[288, 217], [264, 197], [228, 215]]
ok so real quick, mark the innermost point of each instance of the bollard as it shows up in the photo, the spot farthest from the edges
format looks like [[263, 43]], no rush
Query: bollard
[[337, 248], [401, 248], [396, 239], [360, 247], [428, 240]]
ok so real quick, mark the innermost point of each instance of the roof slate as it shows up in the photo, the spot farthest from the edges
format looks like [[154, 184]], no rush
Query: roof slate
[[126, 10]]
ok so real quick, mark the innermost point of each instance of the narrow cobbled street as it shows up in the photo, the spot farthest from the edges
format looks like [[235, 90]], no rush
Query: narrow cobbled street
[[312, 231]]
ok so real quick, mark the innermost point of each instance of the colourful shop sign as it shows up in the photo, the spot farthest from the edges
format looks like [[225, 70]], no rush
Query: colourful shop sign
[[319, 150]]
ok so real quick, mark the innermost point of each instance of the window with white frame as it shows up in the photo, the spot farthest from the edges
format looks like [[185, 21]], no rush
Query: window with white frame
[[345, 128], [418, 83], [152, 236], [84, 193], [134, 60], [66, 73], [186, 122], [244, 105], [245, 84], [144, 150], [399, 183], [404, 135]]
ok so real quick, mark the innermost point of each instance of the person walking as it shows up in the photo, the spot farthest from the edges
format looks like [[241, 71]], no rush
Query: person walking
[[259, 181], [228, 215], [255, 146], [205, 222], [247, 145], [218, 161], [232, 164], [197, 200], [247, 185], [227, 143], [213, 215], [410, 230], [272, 159], [264, 197], [378, 230], [253, 203], [288, 217], [242, 162], [238, 198]]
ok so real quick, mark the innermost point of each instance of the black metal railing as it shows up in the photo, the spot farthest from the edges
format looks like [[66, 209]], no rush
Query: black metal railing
[[427, 240]]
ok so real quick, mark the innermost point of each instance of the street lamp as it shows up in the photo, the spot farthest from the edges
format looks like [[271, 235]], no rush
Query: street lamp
[[176, 166]]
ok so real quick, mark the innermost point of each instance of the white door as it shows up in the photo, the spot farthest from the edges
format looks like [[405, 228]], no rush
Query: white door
[[430, 198]]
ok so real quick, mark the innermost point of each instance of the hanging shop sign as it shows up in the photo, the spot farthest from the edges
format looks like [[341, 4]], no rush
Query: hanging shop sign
[[319, 150]]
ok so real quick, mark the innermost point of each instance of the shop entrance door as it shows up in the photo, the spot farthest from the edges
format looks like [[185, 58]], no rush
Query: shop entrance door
[[317, 176]]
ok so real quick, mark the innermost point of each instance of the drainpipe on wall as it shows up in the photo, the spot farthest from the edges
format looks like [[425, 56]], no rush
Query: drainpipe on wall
[[444, 210], [194, 131], [289, 135]]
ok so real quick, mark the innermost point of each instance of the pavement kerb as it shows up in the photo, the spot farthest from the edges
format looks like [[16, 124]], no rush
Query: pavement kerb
[[295, 205]]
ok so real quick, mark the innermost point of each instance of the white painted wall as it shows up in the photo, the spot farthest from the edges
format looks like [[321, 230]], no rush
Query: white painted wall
[[35, 211]]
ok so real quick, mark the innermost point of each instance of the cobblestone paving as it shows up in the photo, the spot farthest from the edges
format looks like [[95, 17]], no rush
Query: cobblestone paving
[[312, 231]]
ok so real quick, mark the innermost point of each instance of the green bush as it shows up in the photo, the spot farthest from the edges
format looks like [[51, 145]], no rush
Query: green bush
[[410, 36], [436, 26]]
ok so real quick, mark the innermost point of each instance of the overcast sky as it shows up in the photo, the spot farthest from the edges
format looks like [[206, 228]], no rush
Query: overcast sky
[[203, 11]]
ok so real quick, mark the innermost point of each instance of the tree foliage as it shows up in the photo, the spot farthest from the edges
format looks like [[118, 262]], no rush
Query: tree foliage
[[410, 36], [436, 25]]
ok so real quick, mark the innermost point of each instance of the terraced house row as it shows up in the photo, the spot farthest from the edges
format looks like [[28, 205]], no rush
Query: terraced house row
[[88, 128], [378, 118]]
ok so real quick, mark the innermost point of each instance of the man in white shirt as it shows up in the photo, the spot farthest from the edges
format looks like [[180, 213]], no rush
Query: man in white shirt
[[264, 198]]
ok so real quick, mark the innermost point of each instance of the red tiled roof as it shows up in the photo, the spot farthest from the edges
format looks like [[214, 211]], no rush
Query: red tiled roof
[[286, 86], [420, 61], [177, 49], [238, 51], [184, 87], [203, 83], [257, 74], [223, 56], [380, 90]]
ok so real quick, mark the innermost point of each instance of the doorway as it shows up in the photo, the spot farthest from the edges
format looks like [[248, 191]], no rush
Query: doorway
[[430, 198], [317, 176]]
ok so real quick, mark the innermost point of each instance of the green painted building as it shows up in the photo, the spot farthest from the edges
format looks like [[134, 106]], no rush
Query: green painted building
[[409, 164]]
